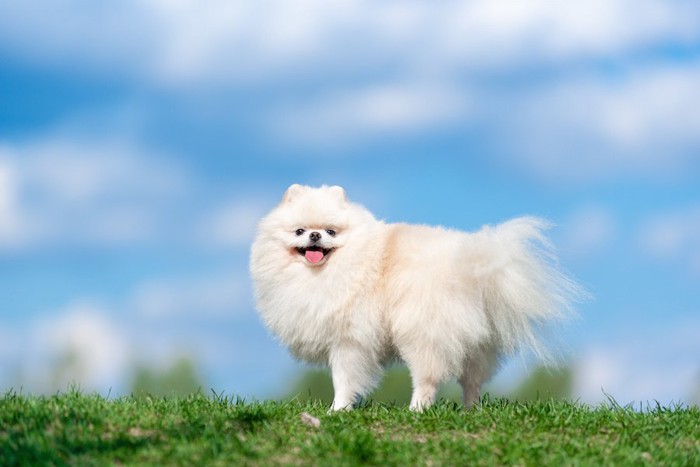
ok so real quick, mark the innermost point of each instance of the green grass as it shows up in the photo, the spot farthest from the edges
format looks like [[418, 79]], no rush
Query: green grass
[[76, 429]]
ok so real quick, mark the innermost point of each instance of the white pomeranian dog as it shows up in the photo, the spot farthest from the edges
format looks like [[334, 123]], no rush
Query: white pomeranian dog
[[342, 289]]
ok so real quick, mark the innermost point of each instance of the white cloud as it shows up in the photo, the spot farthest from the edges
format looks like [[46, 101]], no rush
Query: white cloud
[[78, 344], [588, 230], [645, 123], [10, 223], [98, 348], [233, 224], [673, 237], [343, 117], [63, 190], [597, 373], [404, 67], [216, 296], [186, 41], [10, 343], [660, 366], [80, 170]]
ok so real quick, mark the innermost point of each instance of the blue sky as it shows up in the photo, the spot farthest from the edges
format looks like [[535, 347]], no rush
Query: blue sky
[[140, 142]]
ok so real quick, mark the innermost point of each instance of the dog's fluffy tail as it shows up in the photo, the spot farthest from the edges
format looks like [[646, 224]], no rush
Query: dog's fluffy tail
[[522, 285]]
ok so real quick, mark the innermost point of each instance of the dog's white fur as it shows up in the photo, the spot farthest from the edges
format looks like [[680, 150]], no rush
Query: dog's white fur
[[448, 303]]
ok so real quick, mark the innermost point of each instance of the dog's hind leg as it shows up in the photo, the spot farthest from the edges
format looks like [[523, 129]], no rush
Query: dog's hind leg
[[478, 368], [424, 391], [427, 372], [470, 390]]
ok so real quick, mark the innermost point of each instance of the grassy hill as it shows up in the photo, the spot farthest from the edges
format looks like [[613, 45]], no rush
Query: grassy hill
[[72, 428]]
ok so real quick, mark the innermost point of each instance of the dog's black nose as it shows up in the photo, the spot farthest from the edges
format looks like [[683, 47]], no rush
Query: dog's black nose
[[315, 236]]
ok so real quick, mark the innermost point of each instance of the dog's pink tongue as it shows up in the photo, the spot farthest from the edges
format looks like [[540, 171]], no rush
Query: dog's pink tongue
[[313, 256]]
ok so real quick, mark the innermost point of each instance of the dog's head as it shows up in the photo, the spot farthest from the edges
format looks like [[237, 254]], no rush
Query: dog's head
[[312, 224]]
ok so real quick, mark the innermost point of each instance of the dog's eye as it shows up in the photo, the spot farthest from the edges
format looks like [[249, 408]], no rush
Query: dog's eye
[[300, 231], [331, 232]]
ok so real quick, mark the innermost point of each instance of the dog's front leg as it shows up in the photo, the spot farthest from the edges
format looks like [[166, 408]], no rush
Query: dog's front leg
[[354, 371]]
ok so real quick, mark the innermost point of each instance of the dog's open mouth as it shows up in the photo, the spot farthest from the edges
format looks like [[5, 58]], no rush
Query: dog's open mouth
[[314, 254]]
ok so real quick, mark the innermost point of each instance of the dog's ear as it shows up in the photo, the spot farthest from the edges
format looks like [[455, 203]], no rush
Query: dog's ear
[[292, 192], [338, 192]]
